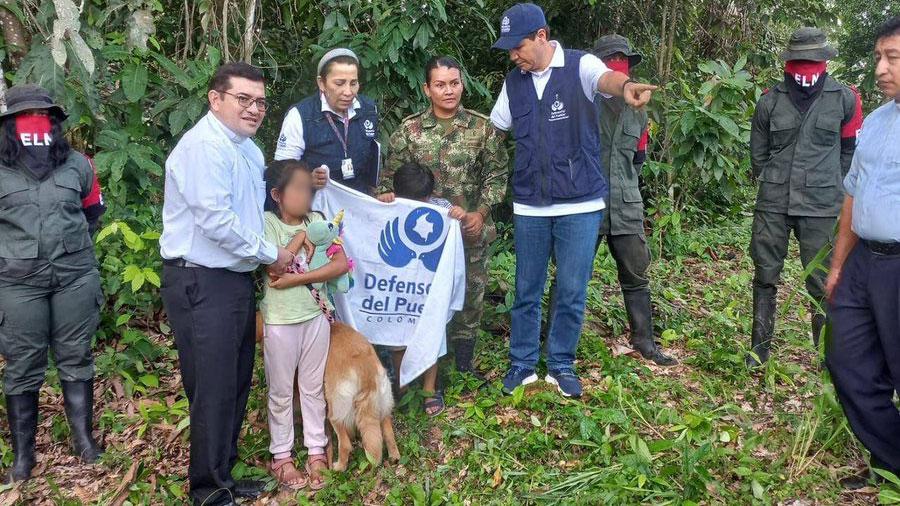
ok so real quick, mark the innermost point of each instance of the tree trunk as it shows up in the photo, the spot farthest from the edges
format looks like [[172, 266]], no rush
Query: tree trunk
[[2, 90], [223, 33], [250, 24], [15, 34]]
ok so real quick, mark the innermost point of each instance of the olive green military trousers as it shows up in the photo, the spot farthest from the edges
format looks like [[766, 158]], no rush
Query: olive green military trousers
[[769, 248], [35, 320]]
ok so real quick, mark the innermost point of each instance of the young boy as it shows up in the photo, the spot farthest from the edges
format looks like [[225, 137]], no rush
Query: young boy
[[415, 182]]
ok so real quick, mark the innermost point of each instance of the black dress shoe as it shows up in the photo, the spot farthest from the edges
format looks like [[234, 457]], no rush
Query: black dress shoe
[[854, 482], [249, 489], [861, 480]]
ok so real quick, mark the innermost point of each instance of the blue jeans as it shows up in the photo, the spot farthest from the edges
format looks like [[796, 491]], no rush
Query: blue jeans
[[572, 240]]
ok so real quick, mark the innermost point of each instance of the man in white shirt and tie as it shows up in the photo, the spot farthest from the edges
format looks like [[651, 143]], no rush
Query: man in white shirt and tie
[[212, 241]]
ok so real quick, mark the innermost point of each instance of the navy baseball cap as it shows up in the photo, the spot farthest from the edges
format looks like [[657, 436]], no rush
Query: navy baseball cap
[[517, 22]]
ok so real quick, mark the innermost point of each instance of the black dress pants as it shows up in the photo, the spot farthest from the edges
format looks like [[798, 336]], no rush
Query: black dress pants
[[863, 356], [212, 313]]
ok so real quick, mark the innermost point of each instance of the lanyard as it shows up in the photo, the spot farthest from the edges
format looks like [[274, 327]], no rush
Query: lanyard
[[343, 139], [321, 302]]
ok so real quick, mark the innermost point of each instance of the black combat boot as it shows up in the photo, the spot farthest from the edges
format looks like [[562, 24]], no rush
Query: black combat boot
[[763, 327], [22, 412], [818, 324], [639, 309], [78, 397], [464, 351]]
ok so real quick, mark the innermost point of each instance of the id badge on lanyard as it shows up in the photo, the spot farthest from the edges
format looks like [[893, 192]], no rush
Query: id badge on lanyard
[[347, 163]]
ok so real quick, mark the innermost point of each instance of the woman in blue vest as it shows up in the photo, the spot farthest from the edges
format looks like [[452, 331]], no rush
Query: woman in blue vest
[[335, 128]]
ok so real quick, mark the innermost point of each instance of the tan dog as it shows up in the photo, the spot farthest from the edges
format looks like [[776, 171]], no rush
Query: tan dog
[[359, 396], [358, 393]]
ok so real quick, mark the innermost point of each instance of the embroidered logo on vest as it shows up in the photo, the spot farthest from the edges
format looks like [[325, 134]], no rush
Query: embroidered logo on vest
[[369, 127], [558, 110]]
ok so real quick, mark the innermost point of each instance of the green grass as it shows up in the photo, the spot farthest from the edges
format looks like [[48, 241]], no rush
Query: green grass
[[706, 432]]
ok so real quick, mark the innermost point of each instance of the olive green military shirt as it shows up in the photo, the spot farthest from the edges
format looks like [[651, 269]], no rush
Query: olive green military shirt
[[621, 128], [44, 238], [468, 159], [799, 159]]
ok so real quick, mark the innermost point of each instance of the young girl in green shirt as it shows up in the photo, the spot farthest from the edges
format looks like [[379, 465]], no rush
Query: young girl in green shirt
[[297, 331]]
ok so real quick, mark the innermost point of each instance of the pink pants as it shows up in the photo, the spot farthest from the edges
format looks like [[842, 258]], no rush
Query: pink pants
[[299, 347]]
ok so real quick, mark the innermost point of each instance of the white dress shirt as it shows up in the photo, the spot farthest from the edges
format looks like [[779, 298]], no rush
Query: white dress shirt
[[213, 201], [290, 141], [590, 70]]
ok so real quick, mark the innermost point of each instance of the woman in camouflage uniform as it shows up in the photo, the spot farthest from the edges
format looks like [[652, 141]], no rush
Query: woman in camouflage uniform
[[469, 162]]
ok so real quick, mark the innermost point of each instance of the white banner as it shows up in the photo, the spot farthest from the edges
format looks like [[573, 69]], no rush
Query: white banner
[[409, 273]]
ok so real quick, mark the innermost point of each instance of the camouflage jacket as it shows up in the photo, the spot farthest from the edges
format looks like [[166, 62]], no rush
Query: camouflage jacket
[[469, 160]]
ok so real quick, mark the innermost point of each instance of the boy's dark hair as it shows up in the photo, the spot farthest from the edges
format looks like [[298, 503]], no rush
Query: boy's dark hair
[[413, 181], [440, 61], [277, 175], [890, 28], [347, 60], [221, 79], [11, 148]]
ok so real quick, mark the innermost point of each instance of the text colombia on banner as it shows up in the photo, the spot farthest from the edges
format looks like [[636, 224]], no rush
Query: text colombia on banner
[[409, 273]]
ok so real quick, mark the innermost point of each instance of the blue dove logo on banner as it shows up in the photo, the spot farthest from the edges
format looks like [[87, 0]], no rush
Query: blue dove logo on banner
[[423, 227]]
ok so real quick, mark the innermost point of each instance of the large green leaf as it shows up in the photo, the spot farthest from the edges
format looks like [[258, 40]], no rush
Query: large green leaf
[[178, 118], [111, 162], [134, 82], [177, 72], [729, 125]]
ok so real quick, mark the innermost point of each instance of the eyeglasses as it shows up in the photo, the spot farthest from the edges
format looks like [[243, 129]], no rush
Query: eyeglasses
[[246, 101]]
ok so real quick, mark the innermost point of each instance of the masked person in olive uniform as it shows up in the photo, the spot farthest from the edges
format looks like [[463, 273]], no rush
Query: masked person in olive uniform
[[466, 154], [801, 144], [50, 294], [623, 133]]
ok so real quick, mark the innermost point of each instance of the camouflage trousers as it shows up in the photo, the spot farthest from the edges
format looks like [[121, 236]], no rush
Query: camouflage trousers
[[465, 323]]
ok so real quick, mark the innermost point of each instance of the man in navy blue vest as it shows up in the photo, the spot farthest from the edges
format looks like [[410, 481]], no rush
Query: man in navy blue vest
[[557, 183]]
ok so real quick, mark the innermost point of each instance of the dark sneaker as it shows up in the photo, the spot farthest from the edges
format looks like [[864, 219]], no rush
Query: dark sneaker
[[518, 376], [566, 382]]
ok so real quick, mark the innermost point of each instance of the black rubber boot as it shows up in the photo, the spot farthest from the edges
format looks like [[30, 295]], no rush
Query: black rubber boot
[[818, 323], [22, 412], [640, 310], [78, 397], [464, 351], [763, 327]]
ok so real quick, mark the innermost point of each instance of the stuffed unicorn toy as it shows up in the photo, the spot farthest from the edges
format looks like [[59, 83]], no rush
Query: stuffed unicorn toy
[[325, 235]]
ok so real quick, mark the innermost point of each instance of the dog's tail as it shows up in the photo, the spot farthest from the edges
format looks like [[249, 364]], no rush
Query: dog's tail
[[373, 406], [385, 394], [379, 401]]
